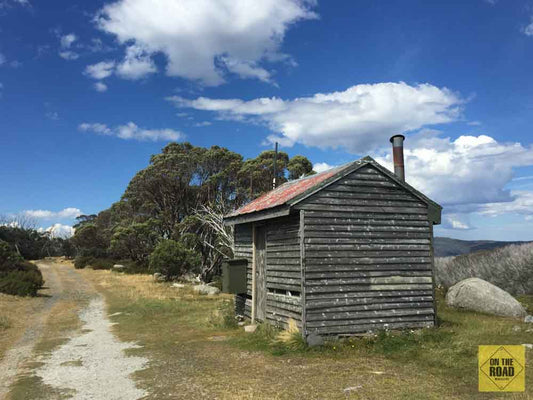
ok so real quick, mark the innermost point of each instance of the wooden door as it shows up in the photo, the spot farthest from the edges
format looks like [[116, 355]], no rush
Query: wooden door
[[260, 273]]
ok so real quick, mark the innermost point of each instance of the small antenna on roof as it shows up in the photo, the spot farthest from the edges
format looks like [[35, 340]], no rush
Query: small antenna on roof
[[275, 162]]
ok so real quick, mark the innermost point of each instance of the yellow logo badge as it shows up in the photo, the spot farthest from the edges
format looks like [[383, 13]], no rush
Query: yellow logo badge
[[502, 368]]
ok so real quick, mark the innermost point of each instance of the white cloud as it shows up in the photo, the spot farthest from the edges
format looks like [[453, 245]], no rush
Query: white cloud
[[65, 44], [468, 174], [137, 64], [528, 30], [202, 38], [131, 131], [322, 166], [53, 115], [69, 212], [67, 40], [100, 70], [100, 87], [521, 203], [359, 119], [2, 59], [59, 231], [202, 124], [456, 222]]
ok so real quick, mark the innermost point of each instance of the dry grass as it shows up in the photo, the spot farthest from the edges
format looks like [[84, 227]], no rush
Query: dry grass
[[194, 357], [15, 315]]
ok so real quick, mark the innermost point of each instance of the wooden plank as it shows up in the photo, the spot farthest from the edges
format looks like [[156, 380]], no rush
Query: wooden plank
[[352, 274], [367, 228], [380, 247], [369, 260], [396, 235], [334, 253], [345, 267], [281, 298], [341, 194], [284, 280], [376, 280], [303, 271], [368, 294], [282, 286], [330, 304], [365, 215], [334, 201], [365, 317], [360, 328], [367, 287], [359, 241], [337, 313], [283, 274], [364, 182], [364, 209], [364, 221]]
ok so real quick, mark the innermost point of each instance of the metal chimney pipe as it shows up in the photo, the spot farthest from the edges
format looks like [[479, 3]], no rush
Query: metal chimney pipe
[[397, 154], [274, 182]]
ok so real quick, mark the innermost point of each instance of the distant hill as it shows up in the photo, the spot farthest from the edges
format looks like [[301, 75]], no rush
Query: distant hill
[[445, 247]]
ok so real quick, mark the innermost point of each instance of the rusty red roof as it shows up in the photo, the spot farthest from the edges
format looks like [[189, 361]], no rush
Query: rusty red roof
[[286, 192]]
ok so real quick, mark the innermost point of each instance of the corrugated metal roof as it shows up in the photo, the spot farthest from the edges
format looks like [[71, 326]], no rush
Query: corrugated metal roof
[[286, 192]]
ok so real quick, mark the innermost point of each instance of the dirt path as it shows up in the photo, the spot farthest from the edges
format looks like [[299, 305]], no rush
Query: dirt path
[[90, 362], [16, 357]]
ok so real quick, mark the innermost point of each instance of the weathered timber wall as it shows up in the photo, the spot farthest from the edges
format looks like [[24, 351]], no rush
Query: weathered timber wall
[[243, 249], [282, 268], [368, 256]]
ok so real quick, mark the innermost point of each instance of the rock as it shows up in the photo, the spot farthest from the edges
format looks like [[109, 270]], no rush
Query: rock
[[314, 339], [528, 319], [516, 328], [478, 295], [119, 267], [250, 328], [528, 345], [191, 278], [178, 285], [241, 323], [204, 289], [159, 277]]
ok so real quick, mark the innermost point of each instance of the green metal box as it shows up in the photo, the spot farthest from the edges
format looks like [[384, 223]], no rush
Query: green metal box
[[234, 276]]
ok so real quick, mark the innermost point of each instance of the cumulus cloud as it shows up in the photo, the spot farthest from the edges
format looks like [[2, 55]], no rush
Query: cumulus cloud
[[521, 203], [131, 131], [70, 212], [528, 30], [322, 166], [465, 175], [100, 87], [100, 70], [137, 64], [59, 231], [65, 47], [202, 39], [359, 119]]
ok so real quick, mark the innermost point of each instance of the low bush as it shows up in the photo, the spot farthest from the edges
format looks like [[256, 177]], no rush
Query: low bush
[[510, 268], [18, 277], [173, 259], [82, 261]]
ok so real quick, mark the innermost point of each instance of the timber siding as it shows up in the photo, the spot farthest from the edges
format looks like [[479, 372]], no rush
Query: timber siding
[[283, 272], [368, 261]]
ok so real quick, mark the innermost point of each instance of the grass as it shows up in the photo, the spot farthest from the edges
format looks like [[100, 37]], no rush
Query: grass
[[15, 313], [197, 351]]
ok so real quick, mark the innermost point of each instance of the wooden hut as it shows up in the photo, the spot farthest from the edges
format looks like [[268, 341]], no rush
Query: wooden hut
[[342, 252]]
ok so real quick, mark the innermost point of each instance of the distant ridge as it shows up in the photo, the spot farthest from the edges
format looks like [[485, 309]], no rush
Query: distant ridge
[[445, 247]]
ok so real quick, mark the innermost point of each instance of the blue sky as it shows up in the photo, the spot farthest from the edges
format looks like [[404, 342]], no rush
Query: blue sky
[[89, 90]]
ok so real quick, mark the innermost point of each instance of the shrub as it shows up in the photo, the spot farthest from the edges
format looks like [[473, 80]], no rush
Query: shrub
[[18, 277], [82, 261], [510, 268], [173, 259]]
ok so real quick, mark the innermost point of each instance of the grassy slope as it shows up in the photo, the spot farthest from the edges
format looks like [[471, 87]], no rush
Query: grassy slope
[[194, 356]]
